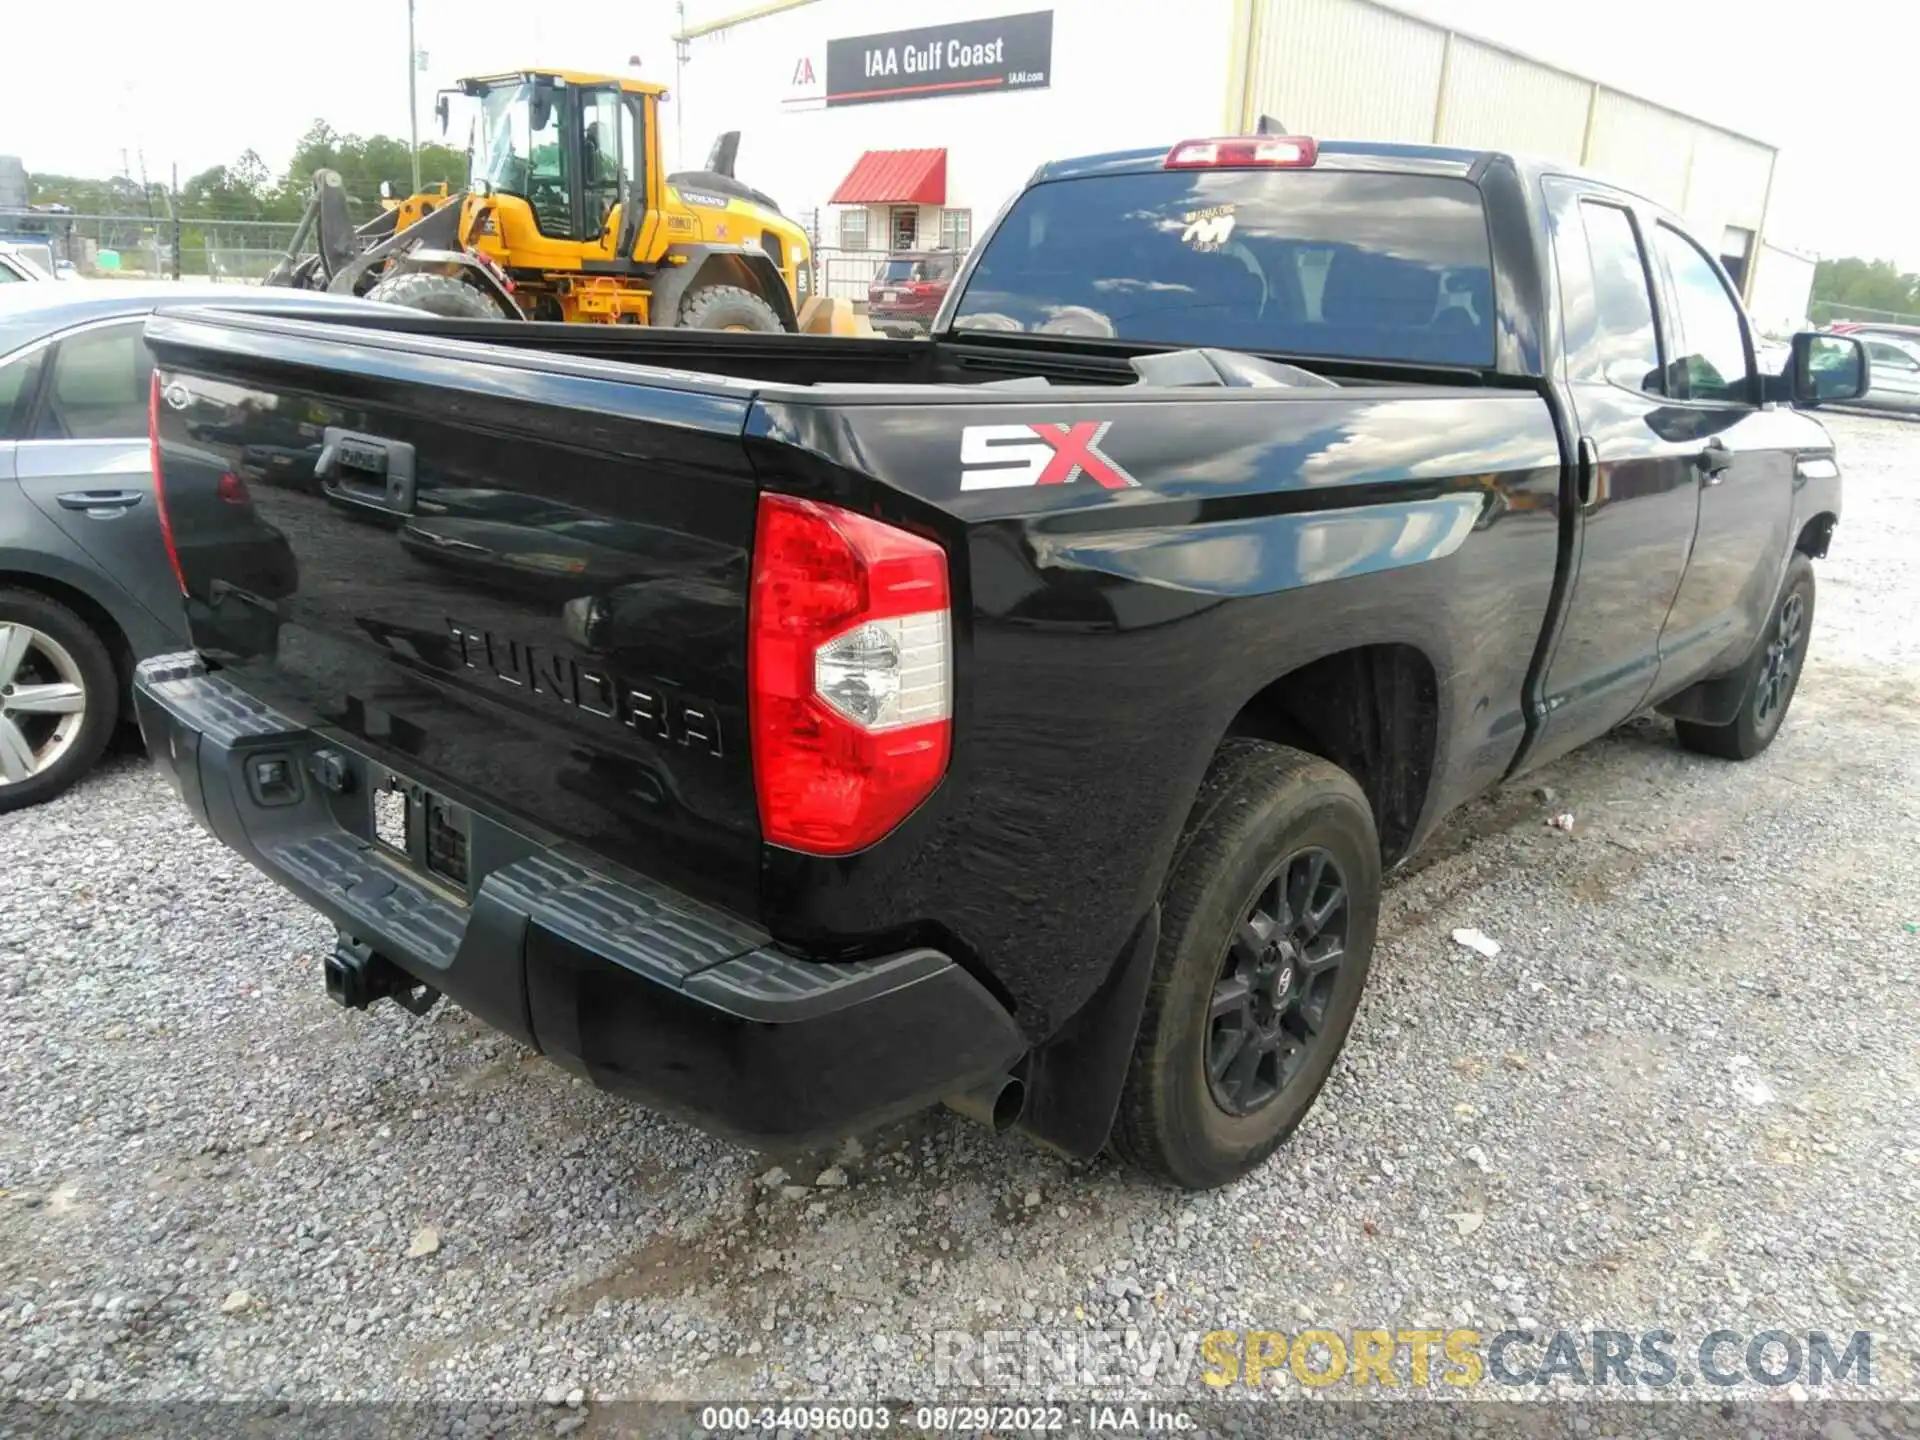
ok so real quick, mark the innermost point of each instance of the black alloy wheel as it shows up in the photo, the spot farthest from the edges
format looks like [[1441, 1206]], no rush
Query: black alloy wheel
[[1775, 682], [1269, 1004]]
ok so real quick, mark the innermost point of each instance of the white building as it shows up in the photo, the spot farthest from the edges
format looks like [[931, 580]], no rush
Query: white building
[[907, 126], [1782, 289]]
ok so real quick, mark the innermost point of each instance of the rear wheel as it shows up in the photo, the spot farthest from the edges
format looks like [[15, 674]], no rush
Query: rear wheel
[[1267, 929], [1776, 674], [437, 295], [728, 307], [59, 698]]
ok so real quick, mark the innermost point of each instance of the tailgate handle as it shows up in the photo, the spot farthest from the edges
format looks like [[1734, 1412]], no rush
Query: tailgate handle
[[366, 470]]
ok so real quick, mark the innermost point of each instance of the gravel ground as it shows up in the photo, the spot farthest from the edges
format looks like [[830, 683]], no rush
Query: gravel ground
[[1682, 1097]]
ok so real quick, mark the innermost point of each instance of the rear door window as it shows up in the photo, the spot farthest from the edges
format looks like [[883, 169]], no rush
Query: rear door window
[[1611, 338], [1303, 262], [98, 389], [17, 378], [1891, 357]]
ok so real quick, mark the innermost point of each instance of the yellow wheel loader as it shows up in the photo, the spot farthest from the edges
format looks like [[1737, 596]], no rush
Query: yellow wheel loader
[[568, 217]]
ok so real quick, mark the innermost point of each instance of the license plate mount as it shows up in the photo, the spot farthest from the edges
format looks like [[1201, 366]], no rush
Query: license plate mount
[[425, 832]]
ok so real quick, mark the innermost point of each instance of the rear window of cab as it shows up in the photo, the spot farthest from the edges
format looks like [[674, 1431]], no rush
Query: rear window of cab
[[1354, 264]]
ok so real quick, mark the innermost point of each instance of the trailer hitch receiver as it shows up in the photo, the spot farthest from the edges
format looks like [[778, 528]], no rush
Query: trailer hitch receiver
[[357, 975]]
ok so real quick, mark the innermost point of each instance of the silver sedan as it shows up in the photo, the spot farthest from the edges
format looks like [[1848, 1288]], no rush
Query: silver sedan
[[86, 587], [1895, 364]]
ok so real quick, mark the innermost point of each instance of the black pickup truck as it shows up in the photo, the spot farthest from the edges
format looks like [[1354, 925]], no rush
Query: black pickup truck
[[794, 732]]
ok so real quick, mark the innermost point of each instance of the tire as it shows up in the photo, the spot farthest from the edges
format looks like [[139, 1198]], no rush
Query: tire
[[44, 645], [728, 307], [1778, 656], [1264, 815], [437, 295]]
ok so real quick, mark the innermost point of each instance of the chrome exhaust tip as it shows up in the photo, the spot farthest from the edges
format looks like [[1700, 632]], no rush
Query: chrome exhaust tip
[[995, 1103]]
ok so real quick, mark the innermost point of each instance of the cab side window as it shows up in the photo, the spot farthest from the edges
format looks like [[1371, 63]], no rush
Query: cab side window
[[1711, 347], [1611, 338], [98, 389]]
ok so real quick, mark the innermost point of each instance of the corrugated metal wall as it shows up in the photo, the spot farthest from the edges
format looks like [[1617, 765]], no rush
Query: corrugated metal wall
[[1334, 67], [1729, 180], [1359, 70], [1642, 146], [1497, 99]]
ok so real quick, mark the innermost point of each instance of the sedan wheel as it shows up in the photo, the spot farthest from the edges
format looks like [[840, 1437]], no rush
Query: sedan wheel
[[59, 698], [43, 702]]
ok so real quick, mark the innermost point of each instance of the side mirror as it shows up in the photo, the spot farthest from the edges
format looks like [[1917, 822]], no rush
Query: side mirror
[[386, 189], [1827, 368]]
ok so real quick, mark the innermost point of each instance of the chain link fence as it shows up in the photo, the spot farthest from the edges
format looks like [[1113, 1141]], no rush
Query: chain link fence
[[149, 247], [244, 251], [1827, 312]]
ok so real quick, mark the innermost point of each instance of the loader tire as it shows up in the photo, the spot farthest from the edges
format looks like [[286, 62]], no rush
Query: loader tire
[[728, 307], [437, 295]]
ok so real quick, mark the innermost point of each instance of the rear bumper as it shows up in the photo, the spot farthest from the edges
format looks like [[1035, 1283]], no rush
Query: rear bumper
[[644, 991]]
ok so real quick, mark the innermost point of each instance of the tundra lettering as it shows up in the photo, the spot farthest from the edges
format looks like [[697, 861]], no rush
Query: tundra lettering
[[690, 724]]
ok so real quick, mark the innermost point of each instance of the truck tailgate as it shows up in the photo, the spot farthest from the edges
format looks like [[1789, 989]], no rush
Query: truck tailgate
[[521, 584]]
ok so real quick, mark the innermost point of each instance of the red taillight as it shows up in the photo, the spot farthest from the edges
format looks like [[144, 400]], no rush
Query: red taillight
[[849, 672], [1277, 151], [159, 481], [233, 490]]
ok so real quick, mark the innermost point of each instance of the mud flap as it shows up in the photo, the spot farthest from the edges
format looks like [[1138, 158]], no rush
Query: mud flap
[[1074, 1082]]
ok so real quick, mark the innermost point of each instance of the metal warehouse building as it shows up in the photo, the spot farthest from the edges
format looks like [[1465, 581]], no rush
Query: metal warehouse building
[[906, 126]]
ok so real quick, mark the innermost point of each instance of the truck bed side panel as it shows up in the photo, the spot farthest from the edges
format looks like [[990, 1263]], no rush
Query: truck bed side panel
[[1110, 632]]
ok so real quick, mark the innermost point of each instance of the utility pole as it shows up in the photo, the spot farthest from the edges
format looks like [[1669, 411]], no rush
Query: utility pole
[[413, 104], [173, 209], [679, 104]]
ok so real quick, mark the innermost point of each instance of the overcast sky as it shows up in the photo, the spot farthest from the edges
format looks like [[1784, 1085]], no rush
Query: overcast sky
[[198, 83]]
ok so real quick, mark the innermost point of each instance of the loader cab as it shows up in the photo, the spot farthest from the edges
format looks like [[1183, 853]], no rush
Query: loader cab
[[570, 162], [567, 200]]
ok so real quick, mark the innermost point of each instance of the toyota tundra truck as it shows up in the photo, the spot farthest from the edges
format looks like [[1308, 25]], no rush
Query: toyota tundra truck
[[792, 733]]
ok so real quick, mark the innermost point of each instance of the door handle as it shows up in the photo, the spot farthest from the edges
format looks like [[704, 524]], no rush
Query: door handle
[[1587, 470], [1714, 460], [99, 499]]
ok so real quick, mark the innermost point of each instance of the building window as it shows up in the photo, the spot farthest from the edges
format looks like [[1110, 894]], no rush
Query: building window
[[853, 229], [956, 229]]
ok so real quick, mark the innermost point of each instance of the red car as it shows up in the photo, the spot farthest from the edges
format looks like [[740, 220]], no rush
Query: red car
[[907, 288]]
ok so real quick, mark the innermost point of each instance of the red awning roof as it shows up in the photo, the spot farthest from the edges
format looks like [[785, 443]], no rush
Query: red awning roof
[[896, 177]]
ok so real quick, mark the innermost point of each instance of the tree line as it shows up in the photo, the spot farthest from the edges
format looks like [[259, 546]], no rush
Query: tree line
[[1866, 285], [247, 189]]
